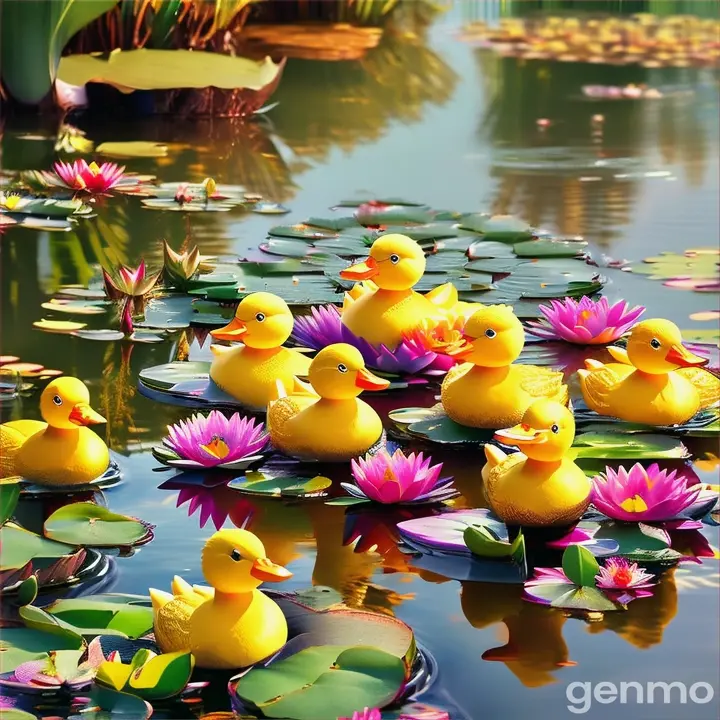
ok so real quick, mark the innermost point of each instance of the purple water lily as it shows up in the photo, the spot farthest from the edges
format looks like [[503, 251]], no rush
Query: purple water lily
[[623, 581], [585, 322]]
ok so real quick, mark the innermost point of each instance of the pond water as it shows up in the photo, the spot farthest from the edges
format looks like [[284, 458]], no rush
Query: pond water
[[433, 119]]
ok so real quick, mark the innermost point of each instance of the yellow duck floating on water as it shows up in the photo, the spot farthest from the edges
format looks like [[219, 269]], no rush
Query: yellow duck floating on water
[[262, 322], [388, 308], [325, 420], [231, 624], [537, 486], [61, 450], [487, 390], [656, 381]]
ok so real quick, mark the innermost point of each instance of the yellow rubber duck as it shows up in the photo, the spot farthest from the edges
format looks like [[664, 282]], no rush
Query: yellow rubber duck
[[262, 322], [385, 310], [325, 420], [656, 381], [538, 485], [487, 390], [61, 450], [231, 624]]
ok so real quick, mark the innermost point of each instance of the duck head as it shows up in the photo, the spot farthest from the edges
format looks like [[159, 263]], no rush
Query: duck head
[[655, 347], [494, 337], [546, 432], [234, 562], [65, 404], [338, 372], [396, 262], [262, 320]]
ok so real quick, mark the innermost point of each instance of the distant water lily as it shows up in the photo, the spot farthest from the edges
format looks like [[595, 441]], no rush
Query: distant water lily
[[12, 202], [623, 581], [125, 282], [213, 441], [180, 267], [398, 478], [92, 178], [648, 495], [585, 322]]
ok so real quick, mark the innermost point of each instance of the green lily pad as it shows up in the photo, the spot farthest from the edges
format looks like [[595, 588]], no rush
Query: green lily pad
[[9, 496], [383, 201], [567, 596], [27, 591], [639, 543], [302, 231], [106, 704], [33, 222], [90, 525], [132, 149], [504, 228], [335, 224], [697, 264], [481, 541], [75, 307], [257, 483], [323, 683], [580, 566], [394, 215], [433, 425], [51, 208], [96, 615], [22, 644], [163, 377], [20, 546], [492, 249], [612, 446], [432, 231], [549, 248]]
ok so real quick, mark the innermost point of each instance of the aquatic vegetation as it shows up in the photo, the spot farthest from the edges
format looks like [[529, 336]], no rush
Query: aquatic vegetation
[[179, 268], [93, 178], [624, 579], [72, 140], [585, 321], [60, 669], [696, 269], [398, 478], [129, 287], [365, 714], [213, 441], [644, 494]]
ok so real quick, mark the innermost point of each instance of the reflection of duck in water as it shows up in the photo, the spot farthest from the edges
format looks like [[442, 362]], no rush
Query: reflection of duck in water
[[644, 622], [535, 647]]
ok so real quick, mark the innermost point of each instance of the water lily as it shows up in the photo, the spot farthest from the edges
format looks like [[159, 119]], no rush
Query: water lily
[[323, 327], [365, 714], [213, 441], [12, 202], [648, 495], [57, 669], [130, 282], [92, 178], [398, 478], [585, 322], [623, 581], [180, 267]]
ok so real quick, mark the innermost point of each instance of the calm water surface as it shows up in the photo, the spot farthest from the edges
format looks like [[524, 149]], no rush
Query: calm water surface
[[436, 120]]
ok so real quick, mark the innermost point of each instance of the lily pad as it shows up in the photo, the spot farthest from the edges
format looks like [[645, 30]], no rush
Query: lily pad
[[99, 615], [91, 525], [20, 546], [482, 542], [257, 483], [9, 496], [580, 566], [59, 326], [613, 446], [433, 425], [132, 149], [548, 247], [640, 543], [23, 644], [504, 228], [571, 597], [74, 307]]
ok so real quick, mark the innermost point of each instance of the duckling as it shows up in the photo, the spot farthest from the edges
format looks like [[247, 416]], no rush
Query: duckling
[[231, 624], [383, 314], [487, 390], [325, 420], [262, 322], [538, 485], [656, 381], [61, 450]]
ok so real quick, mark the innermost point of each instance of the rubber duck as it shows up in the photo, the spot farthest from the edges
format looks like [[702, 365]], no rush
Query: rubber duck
[[487, 390], [61, 450], [231, 624], [656, 380], [325, 420], [386, 310], [262, 322], [537, 486]]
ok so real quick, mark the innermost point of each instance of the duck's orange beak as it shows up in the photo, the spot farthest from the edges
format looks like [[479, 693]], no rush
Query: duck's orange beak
[[234, 330], [83, 414], [367, 381], [521, 435], [361, 271], [268, 571], [682, 357]]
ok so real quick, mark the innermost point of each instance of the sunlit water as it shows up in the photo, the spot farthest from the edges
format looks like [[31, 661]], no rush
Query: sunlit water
[[438, 121]]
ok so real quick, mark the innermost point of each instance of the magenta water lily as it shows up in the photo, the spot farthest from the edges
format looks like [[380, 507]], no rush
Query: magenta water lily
[[623, 581], [92, 178], [206, 441], [398, 478], [585, 322], [647, 494]]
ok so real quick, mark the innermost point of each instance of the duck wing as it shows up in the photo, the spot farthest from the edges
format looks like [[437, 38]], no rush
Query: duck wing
[[172, 614], [597, 383], [444, 296], [540, 382], [496, 473], [707, 385]]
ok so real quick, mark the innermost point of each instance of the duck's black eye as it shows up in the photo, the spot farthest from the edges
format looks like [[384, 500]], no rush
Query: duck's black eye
[[342, 368], [394, 259], [235, 555], [655, 343], [555, 429], [260, 317], [57, 400], [490, 333]]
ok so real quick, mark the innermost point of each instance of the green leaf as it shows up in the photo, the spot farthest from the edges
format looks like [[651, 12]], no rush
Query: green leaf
[[22, 644], [168, 70], [633, 539], [580, 566], [504, 228], [161, 677], [97, 616], [584, 598], [20, 546], [324, 683], [9, 496], [612, 446], [90, 525], [394, 215], [27, 592], [481, 542], [104, 703], [549, 248], [256, 483]]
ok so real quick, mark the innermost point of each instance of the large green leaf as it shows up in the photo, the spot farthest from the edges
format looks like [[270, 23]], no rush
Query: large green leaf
[[257, 483], [324, 683], [9, 495], [580, 566], [614, 446], [91, 525], [96, 616], [168, 69], [22, 644], [481, 541], [639, 542], [20, 546]]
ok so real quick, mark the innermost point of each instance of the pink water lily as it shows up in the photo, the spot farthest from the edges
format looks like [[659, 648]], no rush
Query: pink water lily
[[647, 495], [398, 478], [92, 178], [585, 322], [129, 282], [57, 669], [623, 581], [213, 441], [365, 714]]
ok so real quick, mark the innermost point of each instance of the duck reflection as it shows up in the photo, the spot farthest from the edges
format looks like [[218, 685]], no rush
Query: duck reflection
[[535, 648]]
